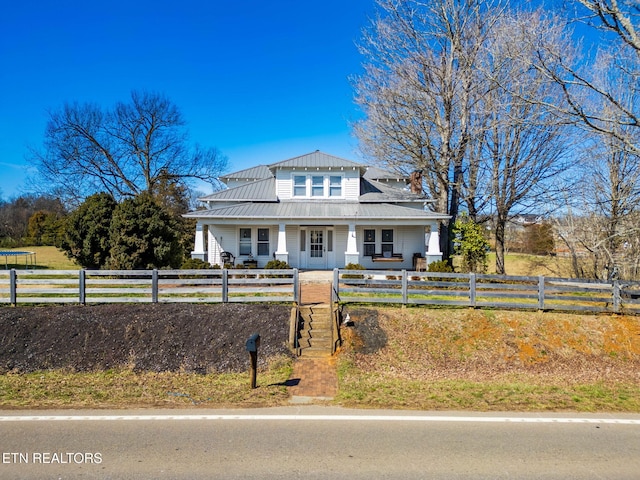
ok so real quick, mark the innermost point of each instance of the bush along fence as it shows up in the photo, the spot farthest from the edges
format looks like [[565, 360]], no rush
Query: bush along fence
[[489, 291], [150, 286]]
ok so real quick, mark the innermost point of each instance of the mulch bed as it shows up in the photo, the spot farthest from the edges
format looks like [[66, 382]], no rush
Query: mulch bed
[[144, 337]]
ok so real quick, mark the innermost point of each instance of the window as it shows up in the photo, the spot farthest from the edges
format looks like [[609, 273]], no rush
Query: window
[[329, 240], [245, 241], [263, 241], [299, 186], [335, 186], [387, 243], [369, 243], [303, 240], [317, 186]]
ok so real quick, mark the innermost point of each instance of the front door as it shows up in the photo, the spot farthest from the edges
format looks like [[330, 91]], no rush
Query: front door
[[317, 248]]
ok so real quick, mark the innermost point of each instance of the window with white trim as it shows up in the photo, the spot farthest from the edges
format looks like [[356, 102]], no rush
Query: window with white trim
[[335, 186], [369, 242], [317, 186], [387, 243], [245, 241], [263, 241], [299, 185]]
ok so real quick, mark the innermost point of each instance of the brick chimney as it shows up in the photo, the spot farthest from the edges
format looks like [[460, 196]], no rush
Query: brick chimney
[[415, 181]]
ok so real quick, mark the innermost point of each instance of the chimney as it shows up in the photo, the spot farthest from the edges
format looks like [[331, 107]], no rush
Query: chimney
[[415, 181]]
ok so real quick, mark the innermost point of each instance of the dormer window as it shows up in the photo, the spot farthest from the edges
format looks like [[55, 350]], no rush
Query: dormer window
[[335, 186], [317, 186], [299, 185]]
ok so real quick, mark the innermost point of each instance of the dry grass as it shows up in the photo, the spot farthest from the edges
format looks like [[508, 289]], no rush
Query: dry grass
[[494, 360], [50, 258], [127, 389]]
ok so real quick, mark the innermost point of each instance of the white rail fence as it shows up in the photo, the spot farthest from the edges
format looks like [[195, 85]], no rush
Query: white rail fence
[[150, 286], [349, 286], [489, 291]]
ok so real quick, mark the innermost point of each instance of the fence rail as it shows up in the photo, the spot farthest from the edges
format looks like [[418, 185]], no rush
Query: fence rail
[[149, 286], [349, 286], [491, 291]]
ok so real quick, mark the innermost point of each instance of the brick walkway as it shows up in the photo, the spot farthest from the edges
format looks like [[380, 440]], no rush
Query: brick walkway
[[311, 293], [314, 378]]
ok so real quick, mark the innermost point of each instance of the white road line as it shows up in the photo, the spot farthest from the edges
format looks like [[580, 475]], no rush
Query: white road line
[[341, 418]]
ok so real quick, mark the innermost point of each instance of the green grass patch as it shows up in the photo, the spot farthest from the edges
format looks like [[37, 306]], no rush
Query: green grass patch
[[126, 388], [358, 390]]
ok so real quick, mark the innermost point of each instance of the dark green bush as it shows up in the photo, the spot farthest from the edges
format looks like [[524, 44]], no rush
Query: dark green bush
[[196, 264], [441, 266], [353, 266], [276, 265]]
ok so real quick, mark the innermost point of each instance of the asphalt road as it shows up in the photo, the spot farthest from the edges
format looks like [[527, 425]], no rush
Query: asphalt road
[[315, 442]]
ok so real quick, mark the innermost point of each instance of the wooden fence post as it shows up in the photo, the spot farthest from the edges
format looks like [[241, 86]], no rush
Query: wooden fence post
[[225, 286], [335, 290], [405, 288], [472, 290], [296, 286], [616, 296], [154, 286], [13, 287], [541, 292], [82, 282]]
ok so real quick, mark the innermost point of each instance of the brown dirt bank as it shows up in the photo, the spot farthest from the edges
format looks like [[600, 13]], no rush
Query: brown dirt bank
[[143, 337]]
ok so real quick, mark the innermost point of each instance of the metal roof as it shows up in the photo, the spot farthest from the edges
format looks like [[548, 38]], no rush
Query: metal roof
[[254, 173], [376, 192], [375, 173], [312, 160], [317, 159], [317, 211], [259, 191]]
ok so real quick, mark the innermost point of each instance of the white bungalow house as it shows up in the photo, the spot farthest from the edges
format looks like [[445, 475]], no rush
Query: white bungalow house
[[317, 211]]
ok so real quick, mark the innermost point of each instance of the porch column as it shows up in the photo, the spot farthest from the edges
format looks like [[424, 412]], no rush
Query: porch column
[[281, 253], [198, 251], [351, 255], [433, 248]]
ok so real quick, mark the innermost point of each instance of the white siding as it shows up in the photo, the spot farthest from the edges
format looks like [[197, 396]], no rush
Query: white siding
[[350, 182], [221, 238], [293, 245], [284, 184], [352, 185], [340, 245], [406, 240]]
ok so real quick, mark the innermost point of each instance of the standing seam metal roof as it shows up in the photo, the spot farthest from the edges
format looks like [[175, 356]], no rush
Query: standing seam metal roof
[[318, 211]]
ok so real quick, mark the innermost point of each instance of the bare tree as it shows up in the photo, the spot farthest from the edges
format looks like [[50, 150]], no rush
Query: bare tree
[[449, 88], [134, 147], [419, 91], [619, 17], [585, 89], [524, 143]]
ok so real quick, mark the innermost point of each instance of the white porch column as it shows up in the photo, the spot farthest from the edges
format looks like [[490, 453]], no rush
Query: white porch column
[[433, 248], [198, 251], [282, 253], [351, 255]]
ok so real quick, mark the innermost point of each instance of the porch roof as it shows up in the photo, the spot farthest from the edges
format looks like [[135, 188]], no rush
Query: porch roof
[[336, 212]]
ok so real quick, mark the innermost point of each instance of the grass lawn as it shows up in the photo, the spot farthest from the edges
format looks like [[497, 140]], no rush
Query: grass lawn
[[461, 359], [50, 258]]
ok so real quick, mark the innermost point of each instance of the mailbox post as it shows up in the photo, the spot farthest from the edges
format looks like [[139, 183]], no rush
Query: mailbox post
[[253, 342]]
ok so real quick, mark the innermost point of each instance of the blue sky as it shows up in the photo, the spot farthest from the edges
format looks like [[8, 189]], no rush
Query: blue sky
[[260, 80]]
